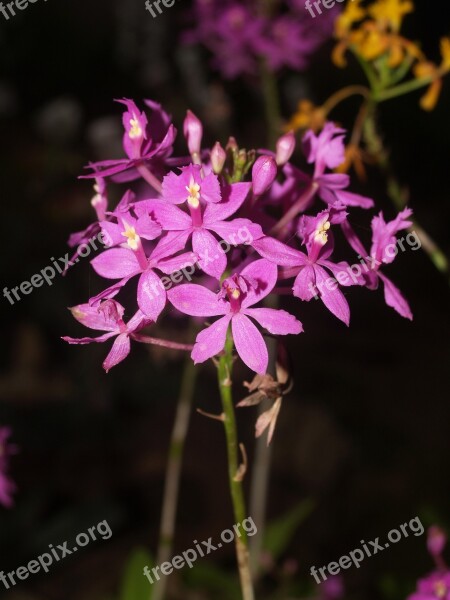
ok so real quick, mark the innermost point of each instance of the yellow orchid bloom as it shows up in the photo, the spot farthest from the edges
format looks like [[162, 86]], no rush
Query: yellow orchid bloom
[[390, 13], [445, 53], [352, 13], [308, 116]]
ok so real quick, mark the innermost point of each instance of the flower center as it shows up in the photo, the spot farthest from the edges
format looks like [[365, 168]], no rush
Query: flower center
[[440, 589], [133, 238], [136, 129], [321, 233], [194, 193], [235, 289]]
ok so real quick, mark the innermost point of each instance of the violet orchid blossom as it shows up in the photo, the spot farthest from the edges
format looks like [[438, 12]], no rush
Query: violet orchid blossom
[[108, 317], [325, 151], [145, 141], [207, 213], [197, 219], [310, 270], [435, 585], [382, 253], [239, 293], [240, 37]]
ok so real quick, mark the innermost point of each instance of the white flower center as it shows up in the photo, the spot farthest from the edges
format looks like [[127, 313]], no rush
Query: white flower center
[[133, 238], [194, 193], [321, 235], [136, 129]]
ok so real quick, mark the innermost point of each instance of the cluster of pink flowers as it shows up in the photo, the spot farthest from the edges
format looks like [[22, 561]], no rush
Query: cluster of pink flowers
[[7, 487], [239, 35], [436, 585], [244, 226]]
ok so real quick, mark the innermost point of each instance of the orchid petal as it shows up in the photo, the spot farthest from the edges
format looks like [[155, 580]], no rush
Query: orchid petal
[[197, 301], [278, 322], [332, 296], [212, 259], [395, 299], [151, 294], [211, 340], [95, 318], [233, 197], [279, 253], [262, 275], [119, 351], [305, 284], [116, 263], [250, 344], [232, 231]]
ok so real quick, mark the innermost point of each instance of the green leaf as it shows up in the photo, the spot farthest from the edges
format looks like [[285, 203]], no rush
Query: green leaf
[[280, 532], [208, 577], [135, 586]]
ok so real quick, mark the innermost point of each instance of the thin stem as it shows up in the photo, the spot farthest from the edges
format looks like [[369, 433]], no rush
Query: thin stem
[[173, 472], [271, 103], [150, 178], [295, 209], [404, 88], [343, 94], [145, 339], [224, 369], [269, 83]]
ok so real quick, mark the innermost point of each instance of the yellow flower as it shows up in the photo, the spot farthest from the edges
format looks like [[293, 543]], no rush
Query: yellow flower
[[308, 116], [352, 13], [369, 41], [390, 13], [445, 53], [428, 69], [353, 158]]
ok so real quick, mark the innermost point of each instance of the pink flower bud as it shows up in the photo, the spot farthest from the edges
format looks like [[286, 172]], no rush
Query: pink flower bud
[[193, 132], [285, 148], [218, 158], [263, 174], [436, 541]]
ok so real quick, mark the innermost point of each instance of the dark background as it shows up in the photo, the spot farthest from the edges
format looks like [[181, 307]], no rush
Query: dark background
[[365, 433]]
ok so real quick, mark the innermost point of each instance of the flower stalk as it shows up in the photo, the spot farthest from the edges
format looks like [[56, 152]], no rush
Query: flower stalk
[[224, 371]]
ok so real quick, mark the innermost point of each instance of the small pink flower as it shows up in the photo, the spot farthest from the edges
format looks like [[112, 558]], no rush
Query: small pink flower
[[239, 293]]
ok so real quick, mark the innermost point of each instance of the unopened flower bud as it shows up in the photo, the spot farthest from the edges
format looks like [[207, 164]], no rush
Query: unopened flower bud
[[193, 132], [218, 158], [285, 148], [263, 174], [436, 541]]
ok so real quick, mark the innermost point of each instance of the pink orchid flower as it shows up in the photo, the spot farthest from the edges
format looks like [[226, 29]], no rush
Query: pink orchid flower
[[239, 293]]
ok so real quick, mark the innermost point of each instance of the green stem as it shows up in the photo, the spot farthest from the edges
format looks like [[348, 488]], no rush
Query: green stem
[[404, 88], [173, 472], [224, 371], [271, 104]]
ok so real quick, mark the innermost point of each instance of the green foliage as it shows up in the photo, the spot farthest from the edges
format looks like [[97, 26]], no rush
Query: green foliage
[[218, 582], [280, 532], [134, 585]]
